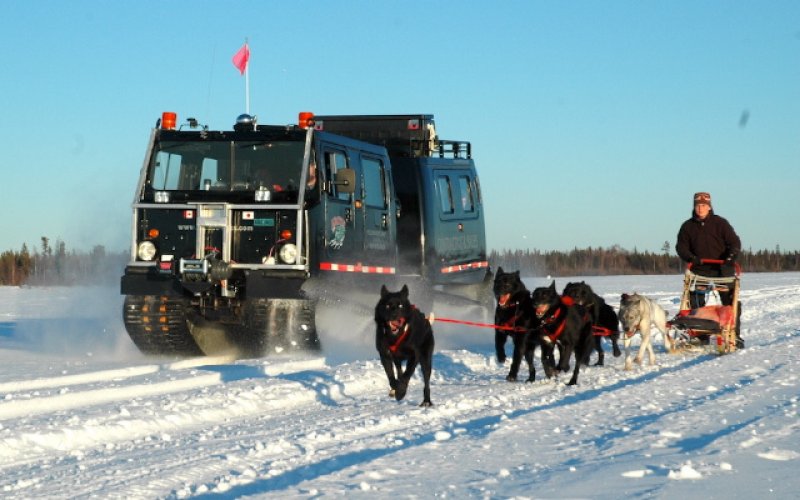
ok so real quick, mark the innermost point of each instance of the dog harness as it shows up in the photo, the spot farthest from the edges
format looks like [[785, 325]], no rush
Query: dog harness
[[396, 345], [511, 324], [552, 338], [557, 322], [550, 324], [403, 335]]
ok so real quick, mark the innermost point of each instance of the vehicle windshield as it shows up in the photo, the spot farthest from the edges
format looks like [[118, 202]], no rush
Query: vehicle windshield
[[226, 166]]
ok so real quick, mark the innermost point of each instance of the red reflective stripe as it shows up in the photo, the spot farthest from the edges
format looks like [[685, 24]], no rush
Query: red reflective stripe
[[356, 268], [465, 267]]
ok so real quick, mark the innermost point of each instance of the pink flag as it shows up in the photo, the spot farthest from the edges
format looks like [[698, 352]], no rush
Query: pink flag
[[241, 57]]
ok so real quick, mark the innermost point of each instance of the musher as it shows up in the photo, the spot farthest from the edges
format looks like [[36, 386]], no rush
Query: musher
[[706, 235]]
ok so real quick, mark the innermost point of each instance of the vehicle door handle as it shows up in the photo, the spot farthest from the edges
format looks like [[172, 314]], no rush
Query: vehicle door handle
[[384, 221]]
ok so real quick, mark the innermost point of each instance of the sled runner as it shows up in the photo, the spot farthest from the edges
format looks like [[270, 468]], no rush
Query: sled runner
[[714, 324]]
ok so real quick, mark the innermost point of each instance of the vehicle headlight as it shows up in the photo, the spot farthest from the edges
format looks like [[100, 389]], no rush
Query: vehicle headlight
[[146, 250], [288, 253]]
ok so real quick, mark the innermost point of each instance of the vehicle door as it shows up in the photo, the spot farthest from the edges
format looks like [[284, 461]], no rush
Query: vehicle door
[[379, 225], [459, 234], [344, 228]]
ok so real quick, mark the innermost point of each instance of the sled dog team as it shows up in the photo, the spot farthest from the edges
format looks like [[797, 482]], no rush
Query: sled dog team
[[571, 323]]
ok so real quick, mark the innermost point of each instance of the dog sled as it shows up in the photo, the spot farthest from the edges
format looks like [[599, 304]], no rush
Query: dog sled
[[714, 325]]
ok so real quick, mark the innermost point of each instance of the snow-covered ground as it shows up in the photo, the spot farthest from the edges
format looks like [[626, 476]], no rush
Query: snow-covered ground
[[82, 414]]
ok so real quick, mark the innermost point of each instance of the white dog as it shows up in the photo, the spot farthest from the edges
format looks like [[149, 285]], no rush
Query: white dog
[[638, 313]]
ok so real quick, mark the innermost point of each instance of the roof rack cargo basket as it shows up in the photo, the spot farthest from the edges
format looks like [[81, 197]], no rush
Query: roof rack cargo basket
[[402, 135]]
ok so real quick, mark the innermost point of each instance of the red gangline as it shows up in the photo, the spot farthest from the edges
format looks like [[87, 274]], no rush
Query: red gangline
[[482, 325]]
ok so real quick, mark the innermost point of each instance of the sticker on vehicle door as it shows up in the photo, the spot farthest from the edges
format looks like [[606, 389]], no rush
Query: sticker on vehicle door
[[338, 230]]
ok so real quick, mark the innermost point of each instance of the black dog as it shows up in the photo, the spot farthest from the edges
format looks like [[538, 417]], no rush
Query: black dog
[[515, 315], [403, 334], [604, 319], [561, 322]]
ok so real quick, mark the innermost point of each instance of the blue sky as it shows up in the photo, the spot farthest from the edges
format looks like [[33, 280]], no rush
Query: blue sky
[[592, 122]]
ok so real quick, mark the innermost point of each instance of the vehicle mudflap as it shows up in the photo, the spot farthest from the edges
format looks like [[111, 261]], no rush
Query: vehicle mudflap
[[276, 326]]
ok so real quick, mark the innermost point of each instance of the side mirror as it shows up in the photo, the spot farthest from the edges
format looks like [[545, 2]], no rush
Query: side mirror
[[346, 180]]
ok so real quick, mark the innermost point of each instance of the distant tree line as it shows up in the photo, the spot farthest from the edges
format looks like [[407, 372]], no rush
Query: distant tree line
[[617, 261], [54, 265]]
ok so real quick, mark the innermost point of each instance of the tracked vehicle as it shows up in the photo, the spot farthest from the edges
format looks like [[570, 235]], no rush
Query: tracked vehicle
[[237, 235]]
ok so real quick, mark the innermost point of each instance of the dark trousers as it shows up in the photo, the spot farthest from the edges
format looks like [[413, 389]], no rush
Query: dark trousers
[[698, 299]]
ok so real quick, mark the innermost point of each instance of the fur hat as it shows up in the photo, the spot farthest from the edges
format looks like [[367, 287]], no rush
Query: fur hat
[[700, 198]]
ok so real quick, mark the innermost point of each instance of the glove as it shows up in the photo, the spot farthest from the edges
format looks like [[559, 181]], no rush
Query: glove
[[696, 261], [729, 267]]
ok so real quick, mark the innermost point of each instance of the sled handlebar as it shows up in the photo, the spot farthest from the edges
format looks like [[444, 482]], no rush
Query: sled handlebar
[[719, 262]]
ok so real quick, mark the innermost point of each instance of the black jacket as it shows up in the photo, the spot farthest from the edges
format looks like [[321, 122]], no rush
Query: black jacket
[[710, 238]]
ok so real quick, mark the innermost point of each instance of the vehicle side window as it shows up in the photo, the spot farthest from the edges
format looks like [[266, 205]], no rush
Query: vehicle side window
[[335, 161], [445, 194], [374, 182], [465, 191]]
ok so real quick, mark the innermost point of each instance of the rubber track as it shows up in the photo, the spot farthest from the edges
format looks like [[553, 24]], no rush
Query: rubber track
[[157, 325]]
